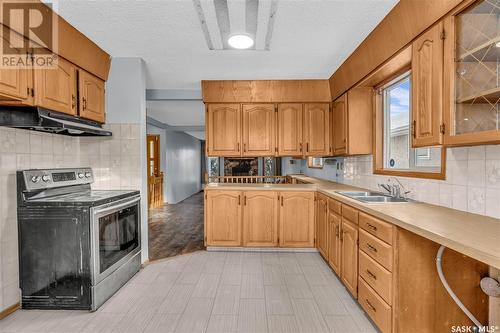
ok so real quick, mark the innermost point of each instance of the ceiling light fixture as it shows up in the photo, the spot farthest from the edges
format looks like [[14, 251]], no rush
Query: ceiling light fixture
[[497, 44], [240, 41]]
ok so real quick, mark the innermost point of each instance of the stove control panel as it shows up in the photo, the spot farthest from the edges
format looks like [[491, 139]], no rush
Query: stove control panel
[[39, 179]]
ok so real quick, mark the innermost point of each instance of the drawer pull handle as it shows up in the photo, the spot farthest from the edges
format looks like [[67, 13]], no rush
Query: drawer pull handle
[[370, 305], [373, 276], [371, 248], [371, 226]]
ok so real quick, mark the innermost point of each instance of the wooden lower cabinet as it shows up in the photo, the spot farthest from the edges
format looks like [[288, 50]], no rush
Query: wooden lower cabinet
[[322, 225], [334, 243], [223, 218], [260, 218], [349, 255], [296, 219], [379, 311]]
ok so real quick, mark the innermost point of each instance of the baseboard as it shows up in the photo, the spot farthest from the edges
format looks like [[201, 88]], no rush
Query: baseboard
[[262, 249], [9, 310]]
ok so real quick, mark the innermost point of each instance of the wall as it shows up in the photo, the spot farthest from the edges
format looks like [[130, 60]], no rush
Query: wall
[[180, 161], [126, 115], [472, 179]]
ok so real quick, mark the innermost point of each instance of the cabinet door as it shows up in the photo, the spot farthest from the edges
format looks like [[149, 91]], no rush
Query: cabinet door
[[317, 129], [349, 270], [224, 125], [260, 218], [91, 91], [297, 219], [223, 220], [427, 87], [290, 129], [55, 88], [14, 81], [334, 244], [322, 225], [259, 130], [340, 126]]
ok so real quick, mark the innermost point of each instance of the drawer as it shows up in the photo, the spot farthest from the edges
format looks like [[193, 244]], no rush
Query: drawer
[[335, 206], [380, 251], [350, 213], [376, 227], [379, 311], [376, 276]]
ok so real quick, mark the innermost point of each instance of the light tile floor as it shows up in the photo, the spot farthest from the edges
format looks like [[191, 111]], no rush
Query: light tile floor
[[216, 292]]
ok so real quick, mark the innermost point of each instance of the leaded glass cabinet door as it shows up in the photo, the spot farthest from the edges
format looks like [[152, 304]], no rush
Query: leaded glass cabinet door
[[472, 91]]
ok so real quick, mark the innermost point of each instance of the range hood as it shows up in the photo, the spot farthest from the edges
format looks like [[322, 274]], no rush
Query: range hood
[[43, 120]]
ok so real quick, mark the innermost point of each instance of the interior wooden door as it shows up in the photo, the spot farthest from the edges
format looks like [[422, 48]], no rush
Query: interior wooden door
[[349, 268], [14, 81], [317, 129], [427, 87], [297, 219], [55, 88], [259, 130], [290, 129], [260, 218], [223, 220], [91, 91], [224, 129], [155, 176], [334, 244], [339, 134], [322, 225]]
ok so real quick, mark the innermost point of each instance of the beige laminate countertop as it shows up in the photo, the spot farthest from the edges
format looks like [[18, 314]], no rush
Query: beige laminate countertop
[[474, 235]]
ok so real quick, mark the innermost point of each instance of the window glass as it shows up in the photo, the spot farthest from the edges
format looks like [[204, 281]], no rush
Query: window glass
[[398, 154]]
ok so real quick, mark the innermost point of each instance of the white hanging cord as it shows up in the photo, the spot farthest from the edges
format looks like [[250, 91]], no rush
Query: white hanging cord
[[452, 294]]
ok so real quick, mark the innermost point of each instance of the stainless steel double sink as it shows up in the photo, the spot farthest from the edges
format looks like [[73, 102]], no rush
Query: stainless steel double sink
[[371, 197]]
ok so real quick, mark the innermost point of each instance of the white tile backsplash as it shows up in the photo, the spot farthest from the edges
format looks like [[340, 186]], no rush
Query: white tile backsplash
[[115, 162], [472, 179]]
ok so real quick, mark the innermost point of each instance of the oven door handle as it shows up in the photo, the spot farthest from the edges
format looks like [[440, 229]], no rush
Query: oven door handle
[[99, 211]]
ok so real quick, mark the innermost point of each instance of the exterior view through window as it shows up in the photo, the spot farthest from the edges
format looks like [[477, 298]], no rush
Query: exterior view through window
[[398, 154]]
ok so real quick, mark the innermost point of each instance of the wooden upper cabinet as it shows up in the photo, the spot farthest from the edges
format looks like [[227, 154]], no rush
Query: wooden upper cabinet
[[352, 122], [290, 129], [224, 129], [349, 270], [317, 129], [55, 88], [334, 244], [260, 218], [14, 82], [339, 125], [471, 75], [296, 219], [91, 91], [427, 87], [322, 225], [259, 130], [223, 218]]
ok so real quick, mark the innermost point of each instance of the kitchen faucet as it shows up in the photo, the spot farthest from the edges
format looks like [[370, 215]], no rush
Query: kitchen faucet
[[394, 190]]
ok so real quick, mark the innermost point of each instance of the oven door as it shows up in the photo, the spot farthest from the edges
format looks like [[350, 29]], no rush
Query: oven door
[[115, 236]]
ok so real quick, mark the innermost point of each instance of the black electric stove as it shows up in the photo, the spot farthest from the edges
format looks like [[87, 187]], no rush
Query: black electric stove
[[77, 246]]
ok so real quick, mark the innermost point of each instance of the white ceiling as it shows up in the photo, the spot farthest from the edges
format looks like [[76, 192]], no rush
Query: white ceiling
[[310, 39]]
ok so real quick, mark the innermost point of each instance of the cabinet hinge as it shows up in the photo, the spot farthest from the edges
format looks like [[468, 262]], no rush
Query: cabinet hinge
[[443, 34], [442, 129]]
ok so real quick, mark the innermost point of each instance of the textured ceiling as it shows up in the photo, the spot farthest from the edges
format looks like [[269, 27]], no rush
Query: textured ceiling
[[311, 38]]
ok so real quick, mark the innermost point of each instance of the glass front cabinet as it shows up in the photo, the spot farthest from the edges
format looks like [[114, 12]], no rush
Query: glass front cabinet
[[471, 74]]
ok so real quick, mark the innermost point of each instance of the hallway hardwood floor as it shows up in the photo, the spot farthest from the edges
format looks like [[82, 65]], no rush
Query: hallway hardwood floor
[[176, 228]]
